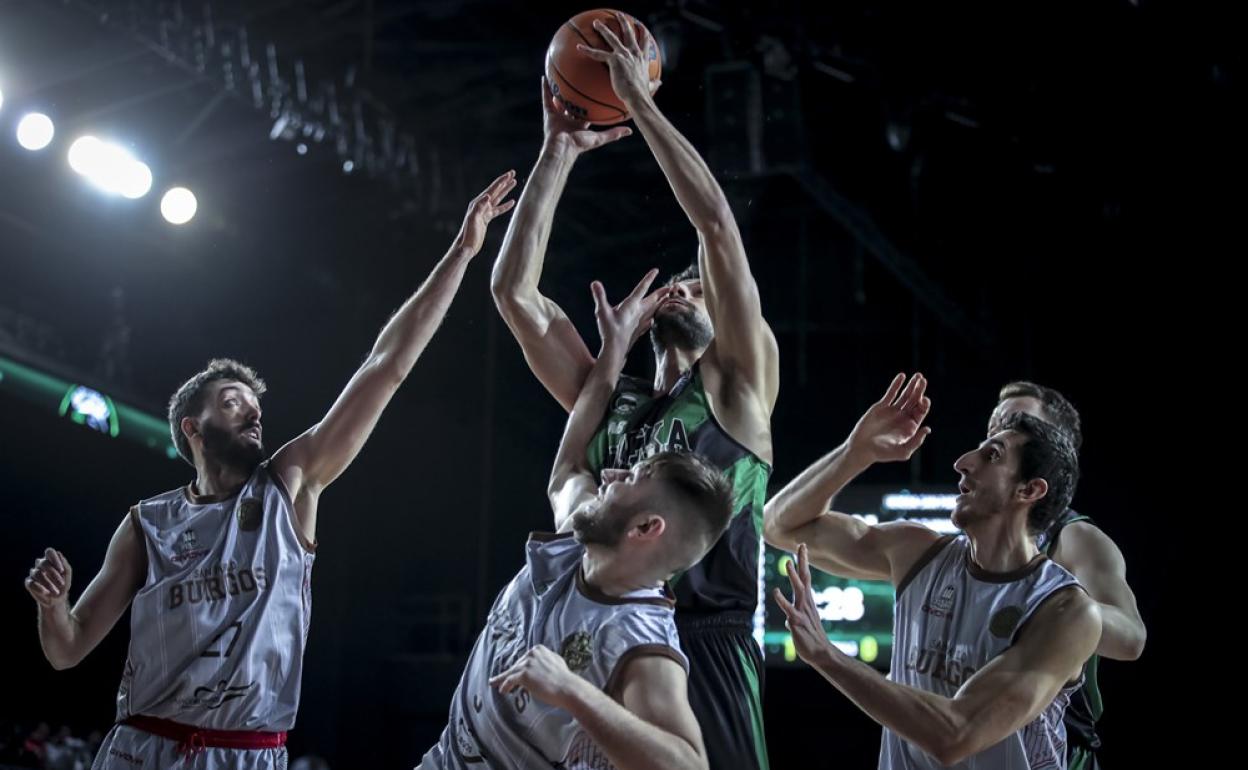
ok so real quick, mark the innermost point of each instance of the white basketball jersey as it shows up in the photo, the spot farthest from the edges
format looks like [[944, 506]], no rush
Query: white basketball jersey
[[548, 603], [952, 618], [217, 632]]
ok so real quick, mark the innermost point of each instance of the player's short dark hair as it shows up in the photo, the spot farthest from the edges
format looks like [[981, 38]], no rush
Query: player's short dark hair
[[691, 273], [1049, 453], [189, 398], [1056, 407]]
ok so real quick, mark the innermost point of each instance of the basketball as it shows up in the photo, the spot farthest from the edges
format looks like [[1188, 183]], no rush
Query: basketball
[[582, 85]]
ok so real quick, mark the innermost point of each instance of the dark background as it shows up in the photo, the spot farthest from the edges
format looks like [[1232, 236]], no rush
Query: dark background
[[980, 192]]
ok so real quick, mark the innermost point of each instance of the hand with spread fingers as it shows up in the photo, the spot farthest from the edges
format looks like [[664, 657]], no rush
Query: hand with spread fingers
[[622, 324], [809, 638], [630, 68], [568, 134], [483, 209], [892, 429]]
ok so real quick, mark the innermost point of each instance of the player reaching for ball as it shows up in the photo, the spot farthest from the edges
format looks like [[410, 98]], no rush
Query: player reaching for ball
[[715, 384]]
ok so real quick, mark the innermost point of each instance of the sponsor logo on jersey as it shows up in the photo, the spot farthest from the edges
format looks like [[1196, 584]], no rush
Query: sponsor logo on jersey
[[125, 757], [625, 403], [942, 605], [187, 548], [466, 742], [215, 696]]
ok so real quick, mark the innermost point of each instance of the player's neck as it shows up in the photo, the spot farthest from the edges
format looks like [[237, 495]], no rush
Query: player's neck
[[672, 363], [1002, 543], [605, 573], [214, 481]]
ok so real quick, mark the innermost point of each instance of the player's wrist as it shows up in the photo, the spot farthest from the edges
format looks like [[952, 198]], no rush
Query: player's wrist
[[639, 101], [573, 694], [859, 454], [613, 351], [560, 146]]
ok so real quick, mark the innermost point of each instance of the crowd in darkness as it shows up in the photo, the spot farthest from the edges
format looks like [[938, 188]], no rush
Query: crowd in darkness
[[38, 745]]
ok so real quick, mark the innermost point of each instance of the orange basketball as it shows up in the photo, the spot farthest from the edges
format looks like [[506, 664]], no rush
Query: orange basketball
[[583, 85]]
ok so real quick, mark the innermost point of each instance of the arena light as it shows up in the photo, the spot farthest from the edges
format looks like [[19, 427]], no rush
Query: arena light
[[910, 502], [135, 181], [85, 406], [1, 98], [110, 167], [178, 206], [35, 131]]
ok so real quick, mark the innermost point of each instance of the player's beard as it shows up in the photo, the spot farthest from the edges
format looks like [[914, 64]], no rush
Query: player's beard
[[603, 525], [229, 449], [681, 327]]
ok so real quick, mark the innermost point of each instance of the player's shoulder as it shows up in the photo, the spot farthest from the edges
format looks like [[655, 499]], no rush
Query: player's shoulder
[[1068, 615], [170, 497]]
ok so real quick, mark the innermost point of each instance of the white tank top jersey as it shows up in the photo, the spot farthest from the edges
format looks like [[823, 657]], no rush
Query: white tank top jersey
[[548, 603], [217, 633], [952, 618]]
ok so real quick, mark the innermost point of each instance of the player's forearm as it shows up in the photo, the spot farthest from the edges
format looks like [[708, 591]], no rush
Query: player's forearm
[[519, 265], [1122, 633], [59, 637], [630, 742], [691, 179], [586, 415], [924, 719], [807, 497], [405, 336]]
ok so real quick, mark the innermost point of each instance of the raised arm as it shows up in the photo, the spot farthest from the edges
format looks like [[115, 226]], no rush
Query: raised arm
[[314, 459], [743, 341], [572, 481], [840, 544], [68, 635], [999, 699], [1094, 558], [552, 346]]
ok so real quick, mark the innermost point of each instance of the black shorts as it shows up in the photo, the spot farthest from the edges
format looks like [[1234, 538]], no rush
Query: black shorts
[[726, 688]]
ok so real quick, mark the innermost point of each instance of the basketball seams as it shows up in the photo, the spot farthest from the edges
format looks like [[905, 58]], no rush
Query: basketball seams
[[568, 83]]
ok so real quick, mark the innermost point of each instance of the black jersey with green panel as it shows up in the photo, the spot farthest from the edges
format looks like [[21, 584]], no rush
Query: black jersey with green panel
[[1085, 704], [639, 425]]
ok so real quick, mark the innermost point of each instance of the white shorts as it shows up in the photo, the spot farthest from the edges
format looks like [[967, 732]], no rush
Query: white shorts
[[129, 748]]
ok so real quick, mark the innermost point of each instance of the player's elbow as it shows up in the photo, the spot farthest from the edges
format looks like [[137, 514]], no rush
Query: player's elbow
[[950, 750], [503, 288], [509, 289], [690, 757], [1133, 646], [62, 661], [774, 531]]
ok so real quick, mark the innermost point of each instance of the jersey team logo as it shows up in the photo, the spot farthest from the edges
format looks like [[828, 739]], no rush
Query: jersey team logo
[[249, 514], [576, 651]]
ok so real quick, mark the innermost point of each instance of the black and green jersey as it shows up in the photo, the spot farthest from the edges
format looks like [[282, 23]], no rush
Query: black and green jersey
[[1085, 704], [638, 425]]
